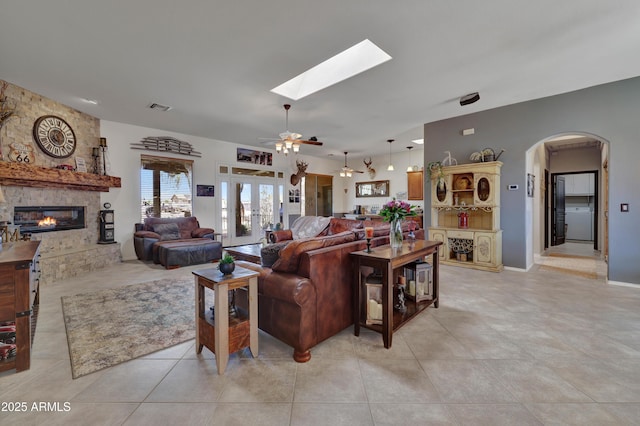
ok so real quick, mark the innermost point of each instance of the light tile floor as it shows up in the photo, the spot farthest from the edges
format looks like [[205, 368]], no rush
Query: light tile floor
[[509, 348]]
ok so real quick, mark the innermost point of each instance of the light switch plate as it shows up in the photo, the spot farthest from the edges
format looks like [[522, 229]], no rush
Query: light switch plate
[[624, 207]]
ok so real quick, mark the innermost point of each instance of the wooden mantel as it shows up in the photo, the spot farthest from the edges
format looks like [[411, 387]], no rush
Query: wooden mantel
[[21, 174]]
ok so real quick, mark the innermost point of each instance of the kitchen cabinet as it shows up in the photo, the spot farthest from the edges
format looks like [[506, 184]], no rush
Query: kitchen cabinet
[[415, 185]]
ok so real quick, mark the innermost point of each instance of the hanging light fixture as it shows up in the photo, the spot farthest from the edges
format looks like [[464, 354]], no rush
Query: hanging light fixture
[[410, 168], [390, 166]]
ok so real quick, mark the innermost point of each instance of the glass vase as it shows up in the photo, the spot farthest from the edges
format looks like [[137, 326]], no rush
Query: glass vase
[[395, 233]]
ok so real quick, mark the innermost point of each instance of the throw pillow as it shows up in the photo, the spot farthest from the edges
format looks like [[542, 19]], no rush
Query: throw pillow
[[269, 254], [167, 231], [337, 226], [290, 255]]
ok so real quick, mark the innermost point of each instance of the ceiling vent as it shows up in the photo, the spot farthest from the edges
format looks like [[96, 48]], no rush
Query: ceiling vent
[[159, 107]]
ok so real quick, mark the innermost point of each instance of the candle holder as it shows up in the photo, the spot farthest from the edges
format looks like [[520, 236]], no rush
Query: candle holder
[[368, 233]]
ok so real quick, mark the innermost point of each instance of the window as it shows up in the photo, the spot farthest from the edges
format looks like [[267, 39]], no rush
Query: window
[[165, 187]]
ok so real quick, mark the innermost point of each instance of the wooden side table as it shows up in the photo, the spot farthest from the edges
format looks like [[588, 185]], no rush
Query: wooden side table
[[390, 262], [223, 335]]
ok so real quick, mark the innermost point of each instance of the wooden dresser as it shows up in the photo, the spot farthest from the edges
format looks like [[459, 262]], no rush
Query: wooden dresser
[[19, 279]]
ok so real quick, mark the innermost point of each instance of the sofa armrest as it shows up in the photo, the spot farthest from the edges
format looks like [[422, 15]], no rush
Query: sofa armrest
[[138, 227], [146, 234], [202, 233], [281, 235]]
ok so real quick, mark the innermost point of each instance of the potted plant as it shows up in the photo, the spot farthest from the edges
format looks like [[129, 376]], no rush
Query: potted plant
[[226, 264], [435, 171]]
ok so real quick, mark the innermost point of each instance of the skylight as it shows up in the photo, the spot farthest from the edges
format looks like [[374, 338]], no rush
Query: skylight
[[418, 141], [356, 59]]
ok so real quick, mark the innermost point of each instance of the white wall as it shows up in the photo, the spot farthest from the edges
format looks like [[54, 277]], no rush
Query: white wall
[[397, 178], [125, 163]]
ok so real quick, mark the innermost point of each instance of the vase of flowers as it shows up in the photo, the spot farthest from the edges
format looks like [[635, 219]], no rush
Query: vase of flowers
[[394, 212]]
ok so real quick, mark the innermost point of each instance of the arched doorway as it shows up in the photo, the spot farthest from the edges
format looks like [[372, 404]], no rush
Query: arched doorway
[[547, 161]]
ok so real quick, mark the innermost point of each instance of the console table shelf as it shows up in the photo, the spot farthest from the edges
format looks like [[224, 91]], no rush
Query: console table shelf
[[390, 262]]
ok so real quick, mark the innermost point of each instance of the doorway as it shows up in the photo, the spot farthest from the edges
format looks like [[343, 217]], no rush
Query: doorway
[[566, 162], [576, 203], [255, 209]]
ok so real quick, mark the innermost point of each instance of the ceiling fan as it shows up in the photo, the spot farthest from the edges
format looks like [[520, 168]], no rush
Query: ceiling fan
[[291, 141], [347, 171]]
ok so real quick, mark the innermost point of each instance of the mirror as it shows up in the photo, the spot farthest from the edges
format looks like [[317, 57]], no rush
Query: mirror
[[378, 188]]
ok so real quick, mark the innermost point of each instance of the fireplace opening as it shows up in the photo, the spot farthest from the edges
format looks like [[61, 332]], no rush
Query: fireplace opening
[[35, 219]]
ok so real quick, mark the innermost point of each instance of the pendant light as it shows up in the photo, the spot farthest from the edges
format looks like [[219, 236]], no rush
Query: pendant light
[[390, 166], [410, 168]]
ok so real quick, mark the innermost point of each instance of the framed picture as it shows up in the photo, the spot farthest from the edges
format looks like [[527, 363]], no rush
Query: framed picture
[[530, 184], [81, 166], [378, 188], [244, 155], [205, 190]]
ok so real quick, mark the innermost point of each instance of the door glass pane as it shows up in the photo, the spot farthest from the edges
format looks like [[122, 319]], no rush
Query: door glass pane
[[224, 202], [243, 209], [281, 204], [266, 206]]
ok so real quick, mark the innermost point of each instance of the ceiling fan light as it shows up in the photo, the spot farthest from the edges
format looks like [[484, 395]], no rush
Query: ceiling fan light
[[348, 174], [288, 144], [390, 168], [343, 174], [296, 147], [278, 146]]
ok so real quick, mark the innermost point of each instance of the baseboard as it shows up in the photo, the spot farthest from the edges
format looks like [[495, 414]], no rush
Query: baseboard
[[511, 268], [623, 284]]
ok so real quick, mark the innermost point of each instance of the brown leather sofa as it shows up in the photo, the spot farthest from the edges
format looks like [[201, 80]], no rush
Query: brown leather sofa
[[306, 296], [175, 242]]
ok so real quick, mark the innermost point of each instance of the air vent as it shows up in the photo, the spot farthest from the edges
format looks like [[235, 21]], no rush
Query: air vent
[[159, 107]]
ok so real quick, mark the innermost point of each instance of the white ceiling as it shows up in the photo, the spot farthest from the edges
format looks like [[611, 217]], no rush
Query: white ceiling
[[215, 62]]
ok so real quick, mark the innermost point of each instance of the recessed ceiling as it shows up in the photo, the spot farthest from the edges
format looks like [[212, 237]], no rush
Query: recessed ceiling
[[216, 62]]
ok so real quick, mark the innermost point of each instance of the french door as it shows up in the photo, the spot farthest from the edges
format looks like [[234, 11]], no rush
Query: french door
[[252, 209]]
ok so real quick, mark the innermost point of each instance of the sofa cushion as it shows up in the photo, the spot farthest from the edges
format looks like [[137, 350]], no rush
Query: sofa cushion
[[186, 225], [289, 257], [337, 226], [167, 231]]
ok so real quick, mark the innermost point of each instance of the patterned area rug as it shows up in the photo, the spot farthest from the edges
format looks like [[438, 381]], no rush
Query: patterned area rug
[[583, 266], [105, 328]]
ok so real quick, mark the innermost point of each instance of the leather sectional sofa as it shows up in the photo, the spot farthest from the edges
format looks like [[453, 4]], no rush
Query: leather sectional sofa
[[306, 296]]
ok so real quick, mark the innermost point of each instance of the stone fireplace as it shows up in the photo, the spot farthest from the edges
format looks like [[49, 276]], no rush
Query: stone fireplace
[[65, 253]]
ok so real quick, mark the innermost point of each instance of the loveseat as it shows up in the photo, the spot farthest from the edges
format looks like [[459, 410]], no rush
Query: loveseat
[[175, 242], [306, 296]]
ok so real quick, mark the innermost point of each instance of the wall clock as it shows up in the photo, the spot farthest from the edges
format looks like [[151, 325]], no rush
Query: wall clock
[[54, 136]]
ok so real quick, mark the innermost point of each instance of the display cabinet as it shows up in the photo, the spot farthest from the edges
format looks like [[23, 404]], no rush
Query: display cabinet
[[465, 215]]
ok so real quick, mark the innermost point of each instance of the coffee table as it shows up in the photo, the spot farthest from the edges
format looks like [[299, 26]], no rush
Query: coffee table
[[248, 252]]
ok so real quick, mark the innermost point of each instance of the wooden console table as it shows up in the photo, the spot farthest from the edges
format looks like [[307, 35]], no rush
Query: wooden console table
[[221, 334], [390, 262]]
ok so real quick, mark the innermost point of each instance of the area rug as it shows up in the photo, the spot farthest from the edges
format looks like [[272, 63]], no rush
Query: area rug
[[582, 266], [108, 327]]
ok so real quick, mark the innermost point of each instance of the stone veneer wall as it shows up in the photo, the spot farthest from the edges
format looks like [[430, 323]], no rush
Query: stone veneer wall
[[63, 253]]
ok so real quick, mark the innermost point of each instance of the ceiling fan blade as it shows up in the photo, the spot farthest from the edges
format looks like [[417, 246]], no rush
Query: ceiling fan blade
[[310, 142]]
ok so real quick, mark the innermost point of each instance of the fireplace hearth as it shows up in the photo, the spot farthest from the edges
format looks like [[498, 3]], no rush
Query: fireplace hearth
[[35, 219]]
